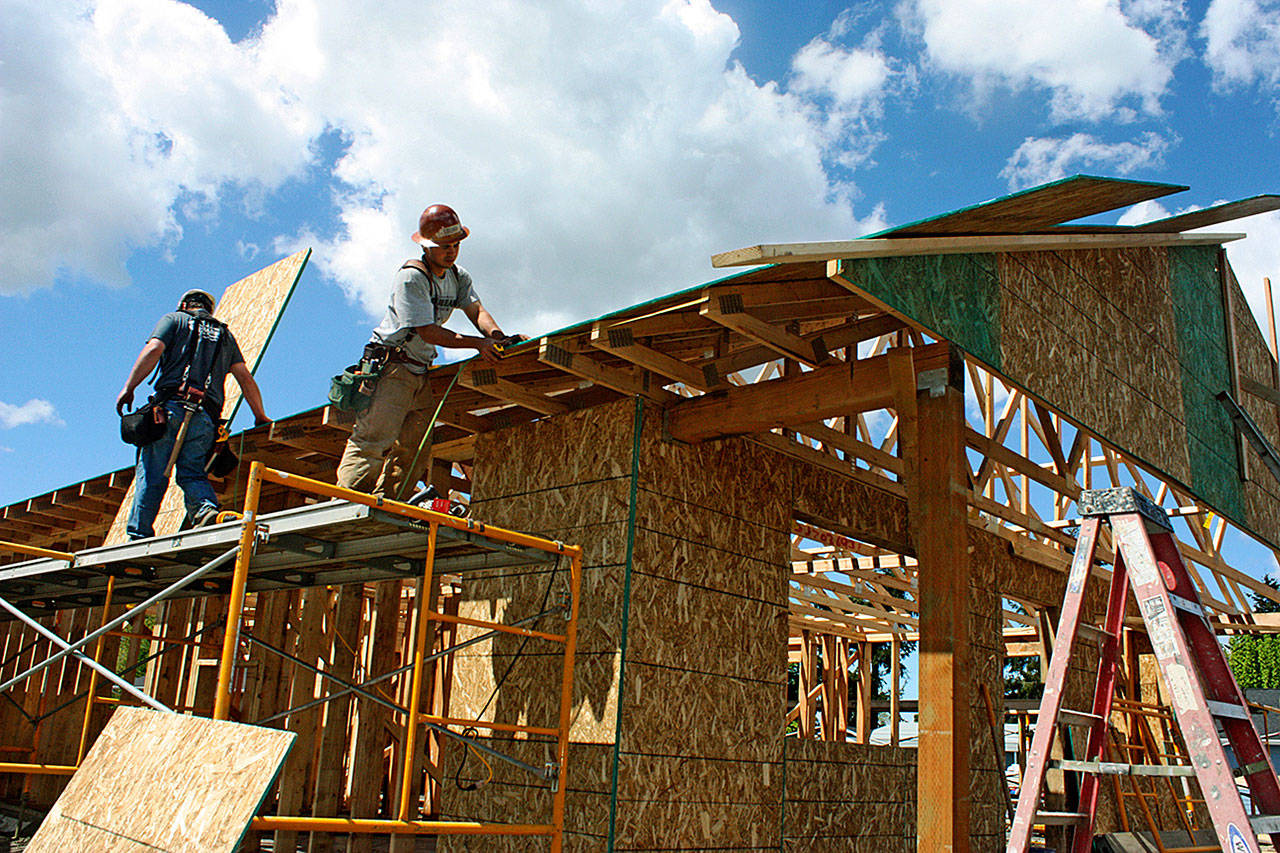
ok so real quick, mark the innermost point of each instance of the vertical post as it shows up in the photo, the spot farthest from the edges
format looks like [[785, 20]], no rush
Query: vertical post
[[866, 685], [421, 630], [566, 702], [235, 608], [934, 459], [93, 673], [805, 683], [895, 687]]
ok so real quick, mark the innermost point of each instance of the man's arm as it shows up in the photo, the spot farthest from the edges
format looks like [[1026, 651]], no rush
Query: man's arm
[[147, 360], [252, 394], [441, 337]]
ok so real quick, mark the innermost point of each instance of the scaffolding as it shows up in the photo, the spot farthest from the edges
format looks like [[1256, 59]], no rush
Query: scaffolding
[[351, 537]]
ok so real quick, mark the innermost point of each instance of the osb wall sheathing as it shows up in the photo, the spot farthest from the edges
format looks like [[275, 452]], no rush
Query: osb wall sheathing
[[690, 723], [1132, 343], [849, 797]]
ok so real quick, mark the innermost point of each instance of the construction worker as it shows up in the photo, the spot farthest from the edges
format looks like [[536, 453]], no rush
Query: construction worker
[[387, 436], [185, 342]]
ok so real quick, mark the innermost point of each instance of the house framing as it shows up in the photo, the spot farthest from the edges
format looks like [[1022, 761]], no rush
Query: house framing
[[858, 445]]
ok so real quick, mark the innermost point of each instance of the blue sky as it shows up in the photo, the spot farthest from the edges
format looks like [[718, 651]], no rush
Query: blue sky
[[599, 152]]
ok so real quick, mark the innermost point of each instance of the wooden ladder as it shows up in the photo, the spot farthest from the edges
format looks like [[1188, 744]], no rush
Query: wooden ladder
[[1203, 692]]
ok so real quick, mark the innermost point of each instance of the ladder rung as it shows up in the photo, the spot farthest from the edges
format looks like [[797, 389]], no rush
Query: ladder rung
[[1250, 769], [1082, 718], [1094, 631], [1113, 768], [1060, 818], [1186, 604], [1227, 709], [1265, 824]]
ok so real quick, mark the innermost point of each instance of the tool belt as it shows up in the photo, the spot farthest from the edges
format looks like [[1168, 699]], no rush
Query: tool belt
[[352, 389], [144, 424]]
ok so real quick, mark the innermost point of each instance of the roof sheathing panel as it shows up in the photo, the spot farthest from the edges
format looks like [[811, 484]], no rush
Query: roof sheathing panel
[[1038, 208]]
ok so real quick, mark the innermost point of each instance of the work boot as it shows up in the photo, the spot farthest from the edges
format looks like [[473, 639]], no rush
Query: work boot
[[206, 516]]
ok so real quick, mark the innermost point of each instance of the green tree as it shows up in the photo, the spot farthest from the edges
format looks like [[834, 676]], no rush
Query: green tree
[[1255, 658]]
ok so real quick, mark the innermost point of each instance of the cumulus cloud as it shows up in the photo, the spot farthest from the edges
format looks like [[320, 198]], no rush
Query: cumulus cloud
[[34, 411], [591, 168], [115, 116], [1243, 42], [593, 171], [1098, 59], [1040, 159], [851, 84]]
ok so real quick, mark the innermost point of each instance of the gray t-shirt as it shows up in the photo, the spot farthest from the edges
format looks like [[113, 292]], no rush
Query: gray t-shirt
[[177, 331], [419, 300]]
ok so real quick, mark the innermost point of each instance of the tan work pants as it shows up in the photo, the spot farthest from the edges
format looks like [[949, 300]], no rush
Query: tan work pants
[[387, 435]]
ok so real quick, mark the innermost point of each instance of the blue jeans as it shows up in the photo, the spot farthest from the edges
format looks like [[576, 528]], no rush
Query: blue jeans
[[149, 482]]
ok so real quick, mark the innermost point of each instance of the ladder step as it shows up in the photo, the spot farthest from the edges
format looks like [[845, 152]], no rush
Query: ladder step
[[1067, 716], [1229, 710], [1265, 824], [1094, 632], [1250, 769], [1186, 604], [1113, 768], [1060, 818]]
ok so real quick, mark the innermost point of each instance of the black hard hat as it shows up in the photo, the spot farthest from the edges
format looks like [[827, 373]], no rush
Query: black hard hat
[[203, 297]]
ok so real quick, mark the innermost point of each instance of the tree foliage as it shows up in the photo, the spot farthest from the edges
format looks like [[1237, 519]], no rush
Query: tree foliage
[[1255, 658]]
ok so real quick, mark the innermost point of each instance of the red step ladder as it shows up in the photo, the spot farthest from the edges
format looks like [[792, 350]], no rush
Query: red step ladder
[[1201, 686]]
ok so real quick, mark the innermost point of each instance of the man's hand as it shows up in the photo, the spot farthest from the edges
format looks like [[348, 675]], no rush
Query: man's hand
[[488, 349], [261, 420], [124, 400]]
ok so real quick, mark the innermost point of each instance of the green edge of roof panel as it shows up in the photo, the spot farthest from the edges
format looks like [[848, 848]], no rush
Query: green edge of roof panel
[[1142, 191]]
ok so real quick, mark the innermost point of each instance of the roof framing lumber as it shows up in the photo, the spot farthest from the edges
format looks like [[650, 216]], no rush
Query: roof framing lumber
[[485, 379], [619, 340], [835, 389], [562, 356], [884, 247], [726, 308]]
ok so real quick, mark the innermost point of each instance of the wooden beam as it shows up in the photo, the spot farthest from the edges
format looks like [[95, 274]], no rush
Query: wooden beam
[[619, 340], [485, 379], [887, 247], [937, 477], [835, 389], [726, 307], [580, 365]]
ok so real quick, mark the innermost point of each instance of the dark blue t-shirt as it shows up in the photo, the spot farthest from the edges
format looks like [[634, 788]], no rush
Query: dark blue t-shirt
[[177, 331]]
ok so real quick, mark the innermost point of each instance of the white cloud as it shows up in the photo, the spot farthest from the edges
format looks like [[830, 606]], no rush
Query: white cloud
[[116, 114], [598, 151], [1243, 42], [1047, 158], [594, 171], [33, 411], [1098, 59]]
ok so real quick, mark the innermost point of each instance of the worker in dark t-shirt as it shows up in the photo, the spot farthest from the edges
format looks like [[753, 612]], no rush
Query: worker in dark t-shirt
[[173, 345]]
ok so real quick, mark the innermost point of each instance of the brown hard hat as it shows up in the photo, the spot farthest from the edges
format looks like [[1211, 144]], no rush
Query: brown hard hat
[[439, 226]]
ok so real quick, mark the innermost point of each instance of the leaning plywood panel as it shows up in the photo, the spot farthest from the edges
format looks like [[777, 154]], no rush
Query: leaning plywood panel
[[156, 781], [251, 308]]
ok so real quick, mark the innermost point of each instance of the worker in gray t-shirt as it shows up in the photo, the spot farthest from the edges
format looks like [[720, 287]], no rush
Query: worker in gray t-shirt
[[386, 437]]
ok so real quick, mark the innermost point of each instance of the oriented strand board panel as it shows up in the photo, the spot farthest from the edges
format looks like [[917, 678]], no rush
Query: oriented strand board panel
[[156, 781], [251, 308], [1130, 343], [1038, 208]]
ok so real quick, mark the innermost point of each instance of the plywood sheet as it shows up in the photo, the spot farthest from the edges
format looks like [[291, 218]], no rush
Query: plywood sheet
[[251, 308], [1038, 208], [157, 781]]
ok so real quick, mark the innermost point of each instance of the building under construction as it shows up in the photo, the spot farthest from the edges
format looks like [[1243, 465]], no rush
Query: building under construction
[[706, 535]]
